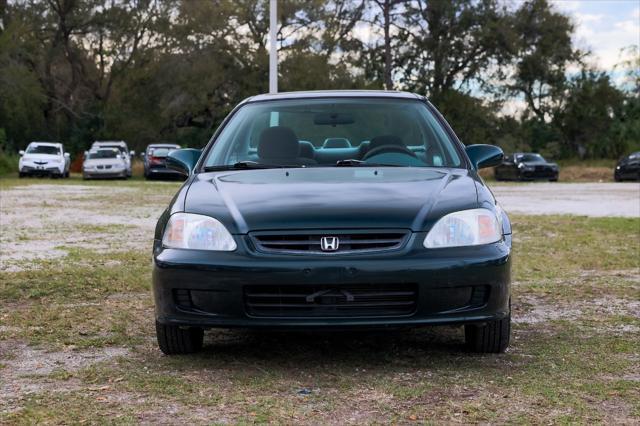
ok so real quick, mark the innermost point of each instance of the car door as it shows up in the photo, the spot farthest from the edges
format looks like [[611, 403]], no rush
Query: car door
[[505, 169]]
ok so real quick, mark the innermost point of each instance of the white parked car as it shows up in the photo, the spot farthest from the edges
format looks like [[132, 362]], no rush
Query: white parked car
[[104, 163], [120, 146], [44, 159]]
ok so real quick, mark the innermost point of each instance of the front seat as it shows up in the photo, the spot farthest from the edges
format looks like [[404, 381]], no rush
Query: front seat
[[336, 143], [279, 145]]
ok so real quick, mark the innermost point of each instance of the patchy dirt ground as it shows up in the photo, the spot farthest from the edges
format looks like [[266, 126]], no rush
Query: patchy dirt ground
[[77, 343], [41, 221]]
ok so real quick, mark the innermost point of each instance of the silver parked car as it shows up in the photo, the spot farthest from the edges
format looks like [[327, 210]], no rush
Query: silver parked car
[[121, 146], [104, 163]]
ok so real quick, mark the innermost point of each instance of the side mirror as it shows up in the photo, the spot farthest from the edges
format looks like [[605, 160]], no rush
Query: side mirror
[[132, 153], [183, 160], [66, 155], [142, 155], [21, 152], [482, 156]]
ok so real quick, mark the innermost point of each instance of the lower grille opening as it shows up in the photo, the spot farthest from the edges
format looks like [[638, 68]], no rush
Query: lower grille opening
[[352, 300], [182, 298]]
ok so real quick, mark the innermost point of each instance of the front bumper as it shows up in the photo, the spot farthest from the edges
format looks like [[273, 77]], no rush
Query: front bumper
[[40, 170], [452, 286], [104, 174], [542, 173], [162, 171]]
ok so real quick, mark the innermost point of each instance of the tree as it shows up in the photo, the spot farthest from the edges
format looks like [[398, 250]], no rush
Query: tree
[[453, 44], [544, 50], [592, 110]]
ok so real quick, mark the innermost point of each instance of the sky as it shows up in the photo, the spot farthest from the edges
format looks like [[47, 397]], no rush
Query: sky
[[603, 27]]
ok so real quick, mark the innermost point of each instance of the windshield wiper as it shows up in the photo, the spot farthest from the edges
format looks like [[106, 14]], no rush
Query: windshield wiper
[[245, 165], [359, 163]]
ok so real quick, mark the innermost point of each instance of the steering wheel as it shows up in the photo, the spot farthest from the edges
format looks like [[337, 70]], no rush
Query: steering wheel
[[389, 148]]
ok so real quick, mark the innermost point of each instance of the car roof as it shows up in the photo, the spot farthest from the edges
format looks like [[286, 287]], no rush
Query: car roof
[[334, 94], [110, 142], [162, 145], [45, 143], [104, 148]]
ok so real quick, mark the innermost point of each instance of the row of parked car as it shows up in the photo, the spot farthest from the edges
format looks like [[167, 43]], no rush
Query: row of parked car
[[531, 166], [104, 160], [112, 159]]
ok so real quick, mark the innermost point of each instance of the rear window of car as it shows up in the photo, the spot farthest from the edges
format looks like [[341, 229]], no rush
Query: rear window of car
[[161, 152]]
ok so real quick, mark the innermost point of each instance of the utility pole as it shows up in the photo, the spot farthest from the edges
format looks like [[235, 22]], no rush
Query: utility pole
[[273, 52]]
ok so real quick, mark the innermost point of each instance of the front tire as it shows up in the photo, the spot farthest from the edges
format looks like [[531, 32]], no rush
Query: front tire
[[492, 337], [174, 340]]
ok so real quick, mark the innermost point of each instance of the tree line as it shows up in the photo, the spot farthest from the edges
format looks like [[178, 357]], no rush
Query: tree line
[[150, 71]]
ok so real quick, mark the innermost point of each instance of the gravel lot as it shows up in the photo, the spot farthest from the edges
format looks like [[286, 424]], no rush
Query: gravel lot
[[77, 342], [582, 199]]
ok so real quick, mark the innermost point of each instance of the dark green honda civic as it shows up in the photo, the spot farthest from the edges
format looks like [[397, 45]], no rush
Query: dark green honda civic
[[333, 210]]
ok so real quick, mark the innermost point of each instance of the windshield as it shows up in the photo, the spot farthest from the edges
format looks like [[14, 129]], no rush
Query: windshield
[[103, 153], [120, 148], [323, 132], [530, 158], [43, 149]]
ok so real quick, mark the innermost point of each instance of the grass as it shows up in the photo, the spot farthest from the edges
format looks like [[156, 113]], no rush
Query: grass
[[574, 355]]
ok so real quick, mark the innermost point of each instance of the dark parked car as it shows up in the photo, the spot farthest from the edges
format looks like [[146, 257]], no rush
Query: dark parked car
[[526, 166], [154, 159], [273, 229], [628, 168]]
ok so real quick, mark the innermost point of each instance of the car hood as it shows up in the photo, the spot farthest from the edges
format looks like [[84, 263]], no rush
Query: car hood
[[40, 157], [331, 198], [104, 162]]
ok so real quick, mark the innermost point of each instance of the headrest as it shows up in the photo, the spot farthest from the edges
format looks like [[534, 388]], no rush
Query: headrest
[[379, 141], [278, 142], [336, 143], [307, 150]]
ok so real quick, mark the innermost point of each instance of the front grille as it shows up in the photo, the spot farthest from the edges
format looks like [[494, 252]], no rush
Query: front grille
[[352, 300], [309, 242], [544, 170]]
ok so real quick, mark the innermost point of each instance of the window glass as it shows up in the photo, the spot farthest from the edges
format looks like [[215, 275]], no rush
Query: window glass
[[320, 132], [103, 153], [43, 149]]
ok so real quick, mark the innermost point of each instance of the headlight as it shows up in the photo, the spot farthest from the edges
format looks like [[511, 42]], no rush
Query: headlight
[[465, 228], [197, 232]]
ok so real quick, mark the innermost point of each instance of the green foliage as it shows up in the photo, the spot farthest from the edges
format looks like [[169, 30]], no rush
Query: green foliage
[[172, 70]]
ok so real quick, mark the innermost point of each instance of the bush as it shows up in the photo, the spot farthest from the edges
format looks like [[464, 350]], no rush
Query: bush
[[8, 163]]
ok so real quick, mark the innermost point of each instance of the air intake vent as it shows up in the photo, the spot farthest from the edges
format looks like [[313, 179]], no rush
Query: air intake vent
[[353, 300]]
